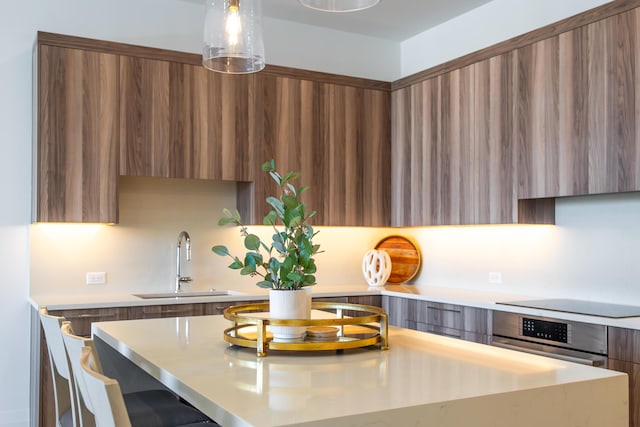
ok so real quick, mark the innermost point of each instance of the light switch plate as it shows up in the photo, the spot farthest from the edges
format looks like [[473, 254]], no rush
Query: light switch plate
[[96, 278]]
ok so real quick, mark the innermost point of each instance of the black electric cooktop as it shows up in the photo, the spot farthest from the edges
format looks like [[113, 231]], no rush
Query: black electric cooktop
[[579, 307]]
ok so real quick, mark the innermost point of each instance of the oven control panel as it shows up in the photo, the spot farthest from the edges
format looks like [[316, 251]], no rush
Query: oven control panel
[[544, 329]]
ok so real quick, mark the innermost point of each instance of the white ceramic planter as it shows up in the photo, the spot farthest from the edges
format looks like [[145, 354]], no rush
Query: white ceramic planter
[[285, 304]]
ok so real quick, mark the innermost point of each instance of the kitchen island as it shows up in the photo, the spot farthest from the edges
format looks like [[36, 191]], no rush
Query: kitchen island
[[423, 379]]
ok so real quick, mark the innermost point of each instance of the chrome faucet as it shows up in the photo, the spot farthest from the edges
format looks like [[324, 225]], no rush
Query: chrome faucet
[[179, 279]]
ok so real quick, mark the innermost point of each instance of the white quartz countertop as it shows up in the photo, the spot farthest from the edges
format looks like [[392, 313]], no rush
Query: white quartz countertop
[[466, 297], [423, 379]]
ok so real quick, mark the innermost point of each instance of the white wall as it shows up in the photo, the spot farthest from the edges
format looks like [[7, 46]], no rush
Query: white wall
[[484, 26]]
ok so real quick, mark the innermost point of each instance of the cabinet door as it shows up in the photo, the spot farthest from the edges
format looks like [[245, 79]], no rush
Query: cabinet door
[[453, 157], [624, 356], [183, 121], [577, 108], [77, 137], [338, 137]]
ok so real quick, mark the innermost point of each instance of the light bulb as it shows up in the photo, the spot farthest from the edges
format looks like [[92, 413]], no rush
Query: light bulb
[[233, 25]]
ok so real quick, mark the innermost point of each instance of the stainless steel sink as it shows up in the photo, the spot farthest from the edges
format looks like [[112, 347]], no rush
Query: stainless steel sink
[[186, 294]]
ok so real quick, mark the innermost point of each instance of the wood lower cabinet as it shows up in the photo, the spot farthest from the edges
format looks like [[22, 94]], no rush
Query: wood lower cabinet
[[76, 144], [467, 323], [624, 356]]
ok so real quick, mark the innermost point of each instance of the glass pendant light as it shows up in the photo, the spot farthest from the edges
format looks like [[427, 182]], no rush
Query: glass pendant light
[[233, 36], [339, 5]]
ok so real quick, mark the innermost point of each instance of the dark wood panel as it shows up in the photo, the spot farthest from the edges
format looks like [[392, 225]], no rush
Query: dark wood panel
[[633, 371], [338, 138], [577, 111], [453, 157], [624, 344], [77, 140]]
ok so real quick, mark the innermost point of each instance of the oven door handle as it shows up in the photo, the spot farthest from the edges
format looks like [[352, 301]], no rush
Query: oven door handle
[[566, 358]]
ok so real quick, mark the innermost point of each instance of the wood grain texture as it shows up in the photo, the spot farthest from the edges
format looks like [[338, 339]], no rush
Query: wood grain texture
[[577, 111], [633, 371], [337, 137], [452, 159], [405, 258], [624, 356], [456, 321], [77, 140]]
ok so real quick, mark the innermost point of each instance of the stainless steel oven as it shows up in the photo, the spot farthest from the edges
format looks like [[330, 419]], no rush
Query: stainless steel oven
[[578, 342]]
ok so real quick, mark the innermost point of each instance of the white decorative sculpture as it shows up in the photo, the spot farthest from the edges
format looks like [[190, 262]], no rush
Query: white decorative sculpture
[[376, 267]]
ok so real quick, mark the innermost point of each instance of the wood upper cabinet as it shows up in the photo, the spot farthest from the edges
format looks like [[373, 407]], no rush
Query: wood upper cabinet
[[452, 160], [181, 121], [578, 110], [338, 137], [77, 135]]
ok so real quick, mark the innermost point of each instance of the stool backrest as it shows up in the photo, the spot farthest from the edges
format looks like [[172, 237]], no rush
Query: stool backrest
[[74, 345], [63, 385], [106, 398]]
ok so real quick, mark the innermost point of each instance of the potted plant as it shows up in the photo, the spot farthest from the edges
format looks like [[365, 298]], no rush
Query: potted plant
[[285, 265]]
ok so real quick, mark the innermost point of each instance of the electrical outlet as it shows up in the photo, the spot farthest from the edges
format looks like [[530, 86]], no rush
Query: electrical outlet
[[495, 277], [96, 278]]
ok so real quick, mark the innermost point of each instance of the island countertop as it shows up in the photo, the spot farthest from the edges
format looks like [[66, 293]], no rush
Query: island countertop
[[423, 379]]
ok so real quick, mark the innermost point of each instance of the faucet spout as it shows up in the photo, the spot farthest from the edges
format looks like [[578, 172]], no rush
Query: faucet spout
[[187, 239]]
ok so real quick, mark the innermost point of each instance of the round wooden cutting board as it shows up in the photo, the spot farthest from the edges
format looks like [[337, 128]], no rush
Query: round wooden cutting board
[[405, 258]]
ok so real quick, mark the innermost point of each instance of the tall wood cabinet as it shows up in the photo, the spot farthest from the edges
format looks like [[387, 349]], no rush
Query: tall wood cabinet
[[109, 109], [76, 153]]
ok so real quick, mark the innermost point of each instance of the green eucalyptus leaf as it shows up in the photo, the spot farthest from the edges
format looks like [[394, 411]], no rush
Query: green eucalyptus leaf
[[220, 250], [277, 204], [270, 218], [248, 270], [264, 284], [295, 276], [290, 202], [302, 189], [252, 242], [276, 177], [236, 264], [309, 279], [227, 221], [291, 188], [268, 166], [288, 177]]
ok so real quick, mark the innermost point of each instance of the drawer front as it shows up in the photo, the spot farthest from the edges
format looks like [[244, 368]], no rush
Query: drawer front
[[81, 319], [167, 310], [623, 344]]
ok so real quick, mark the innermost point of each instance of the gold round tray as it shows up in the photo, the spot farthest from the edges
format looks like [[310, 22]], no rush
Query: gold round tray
[[357, 326]]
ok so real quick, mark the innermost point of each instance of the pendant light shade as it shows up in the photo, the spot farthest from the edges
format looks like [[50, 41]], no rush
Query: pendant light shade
[[233, 36], [339, 5]]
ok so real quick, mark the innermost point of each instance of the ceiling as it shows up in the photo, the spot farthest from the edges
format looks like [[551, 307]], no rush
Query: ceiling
[[395, 20]]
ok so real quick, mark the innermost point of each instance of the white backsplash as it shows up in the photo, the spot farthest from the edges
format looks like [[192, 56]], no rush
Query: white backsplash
[[592, 252]]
